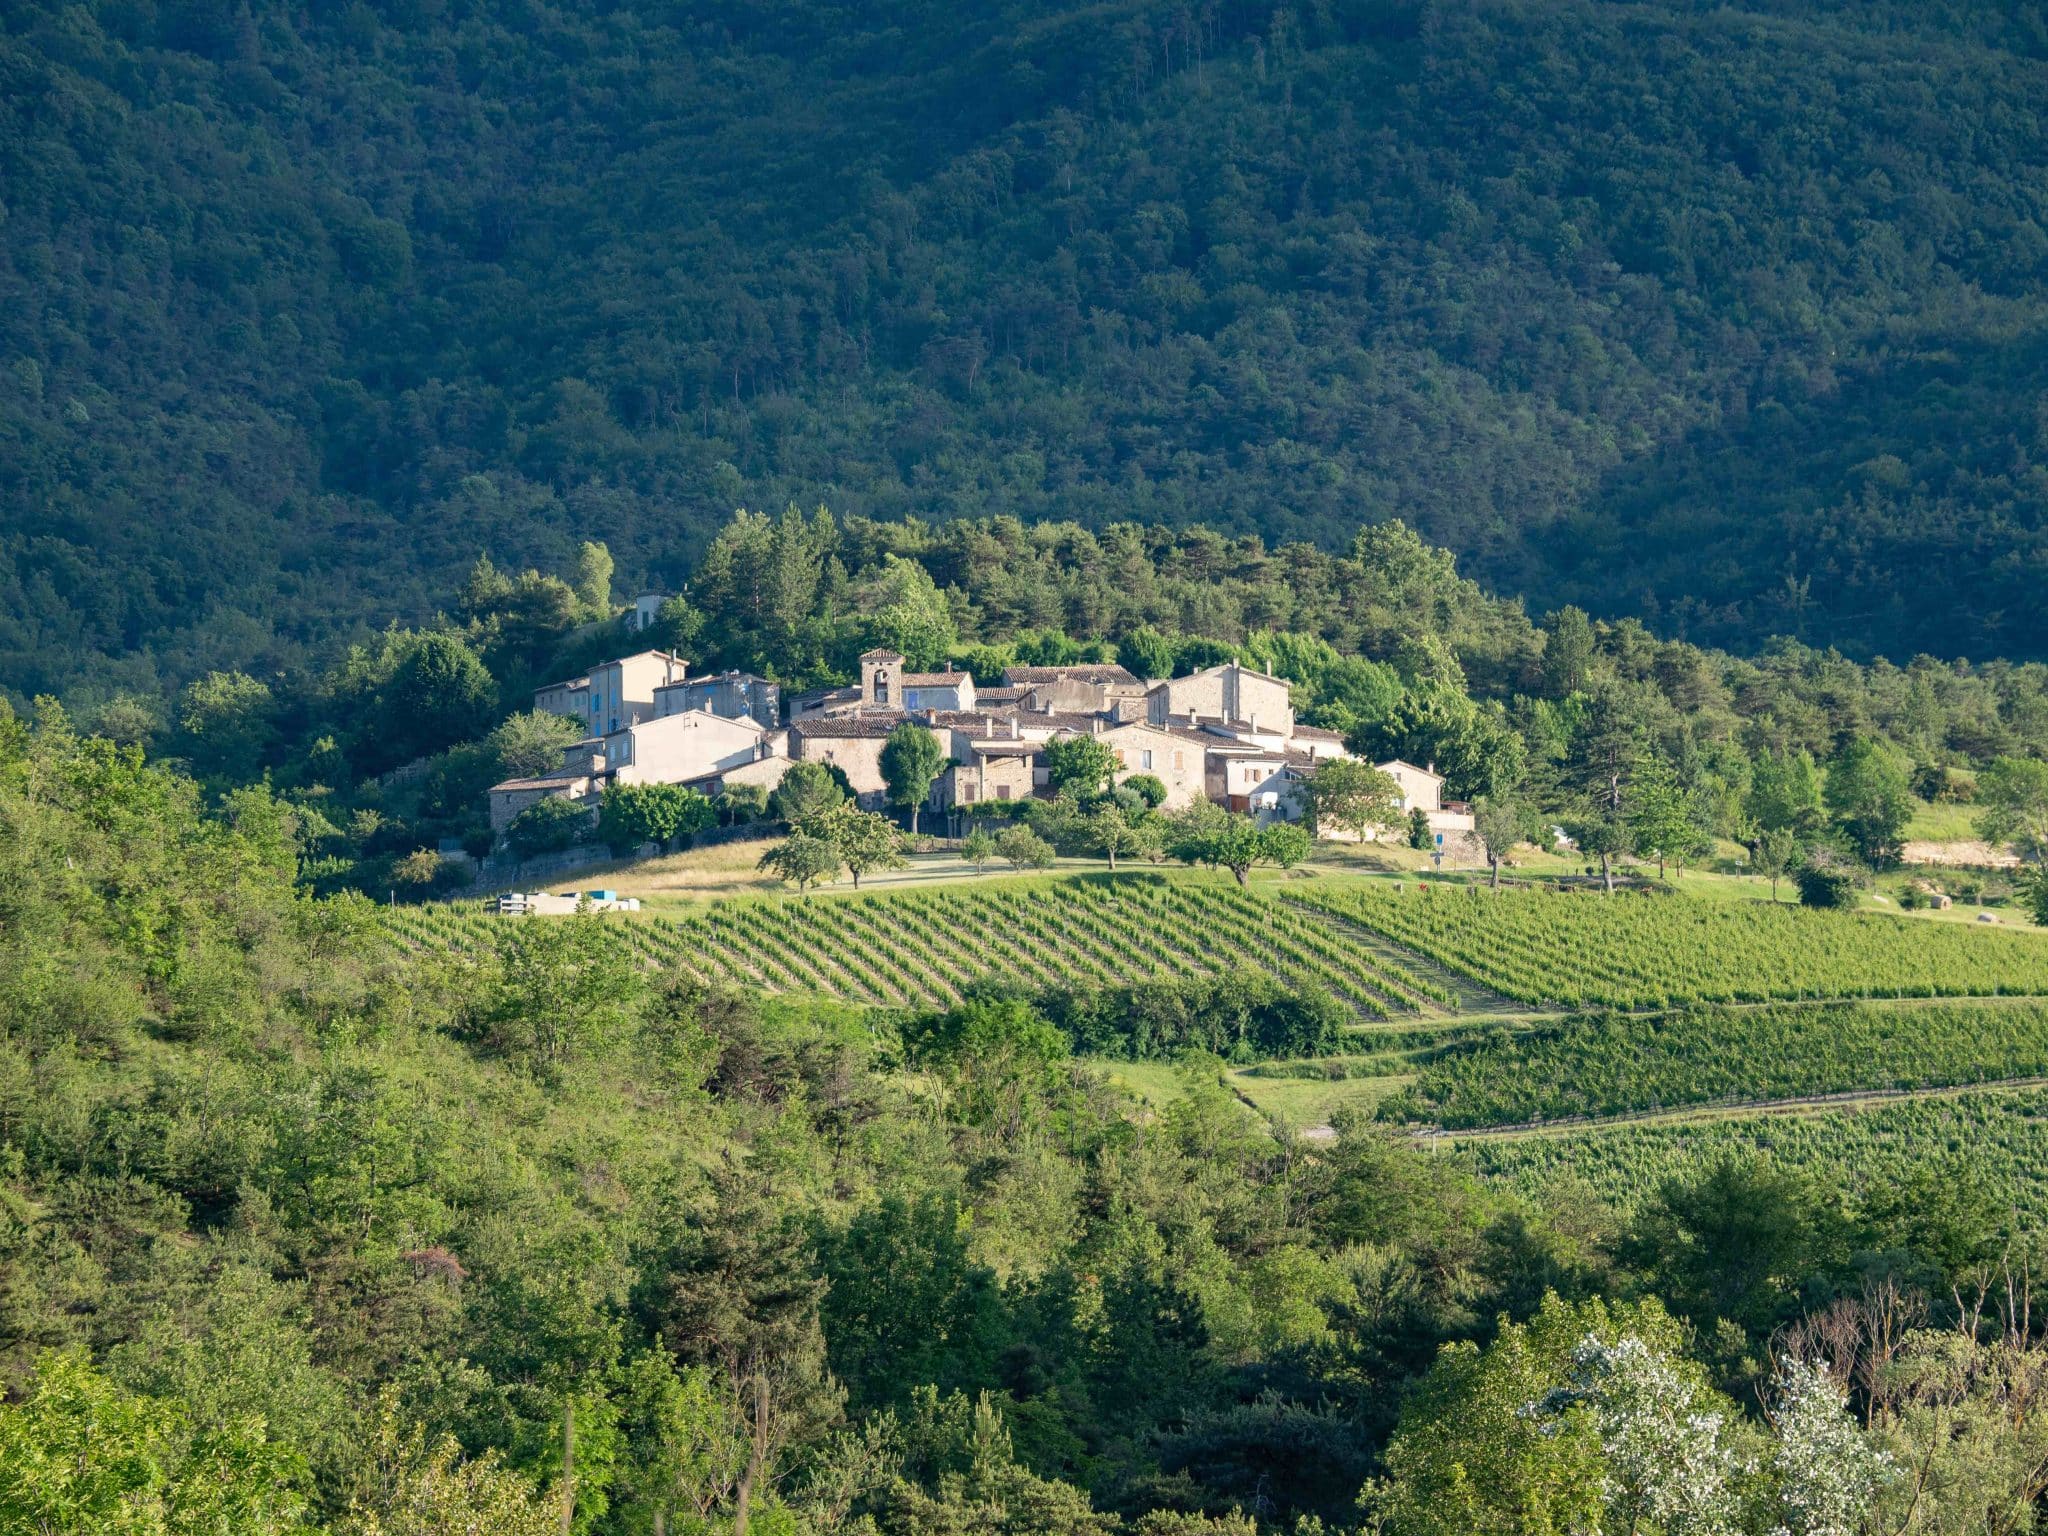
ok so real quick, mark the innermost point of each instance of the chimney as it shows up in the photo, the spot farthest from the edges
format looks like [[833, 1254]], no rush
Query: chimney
[[1095, 725], [1255, 721], [949, 668], [1016, 733]]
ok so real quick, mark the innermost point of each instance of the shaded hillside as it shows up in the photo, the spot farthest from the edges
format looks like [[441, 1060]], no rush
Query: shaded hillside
[[299, 307]]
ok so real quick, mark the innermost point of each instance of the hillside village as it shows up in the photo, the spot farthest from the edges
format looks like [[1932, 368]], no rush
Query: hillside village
[[1226, 734]]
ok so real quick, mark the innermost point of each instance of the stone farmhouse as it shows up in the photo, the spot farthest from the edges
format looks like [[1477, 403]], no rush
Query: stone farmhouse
[[1225, 734]]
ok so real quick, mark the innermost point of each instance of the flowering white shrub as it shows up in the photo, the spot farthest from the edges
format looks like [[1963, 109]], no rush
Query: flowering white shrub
[[1828, 1474], [1668, 1466]]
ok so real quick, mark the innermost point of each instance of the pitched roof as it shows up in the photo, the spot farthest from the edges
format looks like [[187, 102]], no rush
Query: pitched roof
[[730, 675], [1317, 733], [935, 679], [1397, 762], [846, 727], [1086, 672], [668, 656], [563, 780], [881, 653]]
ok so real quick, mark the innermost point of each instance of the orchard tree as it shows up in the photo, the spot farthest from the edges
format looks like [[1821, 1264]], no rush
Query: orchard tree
[[911, 759], [2014, 794], [802, 859], [865, 841], [1352, 796], [1114, 830], [1207, 834], [1024, 849], [1080, 763], [978, 848]]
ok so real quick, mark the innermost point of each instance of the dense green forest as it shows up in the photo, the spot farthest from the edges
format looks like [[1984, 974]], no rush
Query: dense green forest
[[1728, 318]]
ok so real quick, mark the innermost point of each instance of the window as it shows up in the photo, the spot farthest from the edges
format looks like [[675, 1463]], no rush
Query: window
[[1145, 759], [881, 687], [1179, 761], [1002, 791], [967, 794]]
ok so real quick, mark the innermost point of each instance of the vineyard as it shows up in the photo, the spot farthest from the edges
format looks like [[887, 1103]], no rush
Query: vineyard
[[1649, 951], [1613, 1063], [921, 948], [1997, 1136]]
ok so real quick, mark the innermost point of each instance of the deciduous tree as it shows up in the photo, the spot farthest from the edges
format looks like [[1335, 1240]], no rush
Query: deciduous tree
[[911, 759]]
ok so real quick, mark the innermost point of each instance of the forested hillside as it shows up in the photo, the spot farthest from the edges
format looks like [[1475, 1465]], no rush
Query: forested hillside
[[1725, 317]]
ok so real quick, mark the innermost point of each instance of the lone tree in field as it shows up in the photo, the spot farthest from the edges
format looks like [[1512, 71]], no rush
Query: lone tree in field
[[1207, 834], [1499, 822], [911, 759], [1352, 797], [1776, 854]]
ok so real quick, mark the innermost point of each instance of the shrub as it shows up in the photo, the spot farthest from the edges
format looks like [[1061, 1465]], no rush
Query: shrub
[[1024, 849], [1826, 887], [548, 826]]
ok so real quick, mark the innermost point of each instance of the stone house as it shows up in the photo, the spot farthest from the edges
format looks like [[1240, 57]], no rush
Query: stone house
[[735, 695], [1230, 693], [949, 691], [852, 744], [1179, 759], [615, 694], [989, 768], [1083, 689], [1421, 788], [674, 749], [512, 796]]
